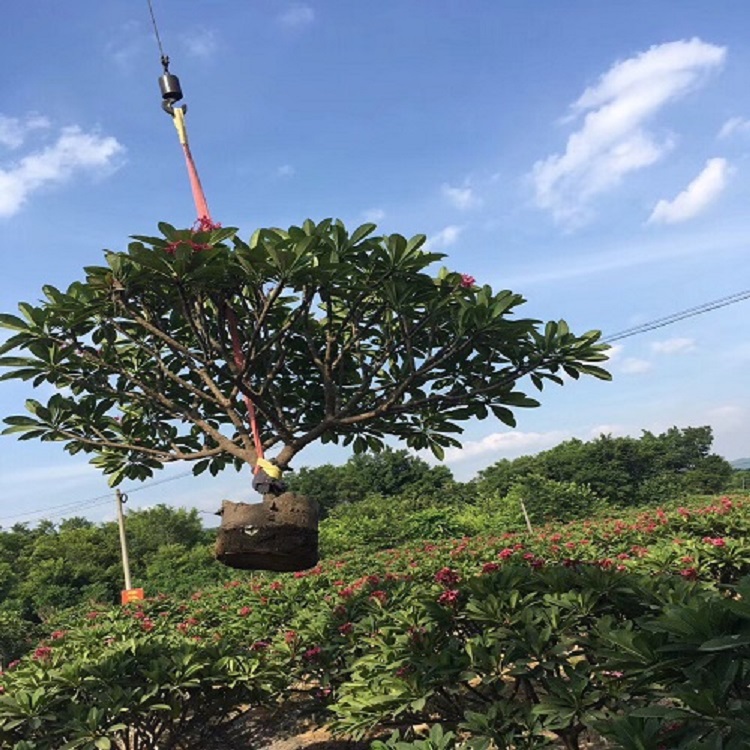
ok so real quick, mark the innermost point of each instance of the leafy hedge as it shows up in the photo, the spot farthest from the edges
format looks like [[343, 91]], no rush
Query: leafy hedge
[[638, 628]]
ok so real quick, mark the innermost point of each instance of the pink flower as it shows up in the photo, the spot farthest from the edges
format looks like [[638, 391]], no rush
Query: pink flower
[[259, 646], [467, 281], [715, 541], [490, 567], [290, 636], [447, 577], [449, 598], [245, 611], [41, 654], [312, 654], [690, 573], [379, 595], [346, 628], [504, 554], [56, 635]]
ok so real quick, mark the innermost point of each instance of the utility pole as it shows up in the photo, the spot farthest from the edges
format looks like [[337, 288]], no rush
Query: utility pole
[[121, 500], [526, 516]]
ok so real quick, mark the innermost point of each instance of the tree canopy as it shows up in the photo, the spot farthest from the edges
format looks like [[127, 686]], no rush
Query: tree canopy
[[387, 474], [331, 336], [623, 470]]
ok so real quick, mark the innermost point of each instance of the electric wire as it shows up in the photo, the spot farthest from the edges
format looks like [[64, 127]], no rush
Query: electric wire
[[675, 317], [78, 505]]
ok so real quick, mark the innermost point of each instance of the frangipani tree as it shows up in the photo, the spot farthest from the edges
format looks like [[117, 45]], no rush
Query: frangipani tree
[[340, 337]]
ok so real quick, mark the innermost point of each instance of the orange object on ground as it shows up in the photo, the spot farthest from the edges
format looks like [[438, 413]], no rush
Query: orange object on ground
[[131, 595]]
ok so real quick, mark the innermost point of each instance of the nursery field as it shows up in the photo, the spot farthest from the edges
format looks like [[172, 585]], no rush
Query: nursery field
[[630, 632]]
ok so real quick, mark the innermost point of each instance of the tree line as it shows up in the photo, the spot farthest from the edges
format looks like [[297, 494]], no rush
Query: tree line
[[373, 500]]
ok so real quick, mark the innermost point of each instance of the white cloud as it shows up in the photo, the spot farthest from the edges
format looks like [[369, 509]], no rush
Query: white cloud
[[612, 139], [286, 170], [616, 430], [727, 416], [51, 473], [635, 366], [297, 16], [462, 198], [373, 214], [128, 45], [614, 351], [696, 197], [13, 131], [73, 151], [201, 44], [734, 125], [445, 237], [504, 443], [673, 346]]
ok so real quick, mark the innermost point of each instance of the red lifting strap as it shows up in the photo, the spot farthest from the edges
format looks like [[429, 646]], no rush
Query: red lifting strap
[[205, 222]]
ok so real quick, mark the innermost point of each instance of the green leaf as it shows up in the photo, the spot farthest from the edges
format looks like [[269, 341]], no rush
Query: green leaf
[[12, 322], [361, 232], [723, 643]]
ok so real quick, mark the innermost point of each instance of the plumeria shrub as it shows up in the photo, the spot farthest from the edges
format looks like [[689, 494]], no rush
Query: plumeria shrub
[[636, 628]]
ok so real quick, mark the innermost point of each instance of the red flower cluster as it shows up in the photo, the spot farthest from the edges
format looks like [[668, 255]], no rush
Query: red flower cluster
[[715, 541], [449, 598], [43, 653], [447, 577], [312, 654]]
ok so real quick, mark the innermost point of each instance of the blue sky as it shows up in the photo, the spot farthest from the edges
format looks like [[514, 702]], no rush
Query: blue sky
[[592, 156]]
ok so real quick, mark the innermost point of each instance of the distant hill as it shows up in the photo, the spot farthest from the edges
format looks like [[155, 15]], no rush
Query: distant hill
[[741, 463]]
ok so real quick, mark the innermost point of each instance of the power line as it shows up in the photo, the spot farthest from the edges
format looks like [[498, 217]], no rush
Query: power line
[[63, 507], [691, 312], [78, 505]]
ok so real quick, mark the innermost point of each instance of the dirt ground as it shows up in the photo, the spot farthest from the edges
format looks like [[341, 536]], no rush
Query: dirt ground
[[293, 726]]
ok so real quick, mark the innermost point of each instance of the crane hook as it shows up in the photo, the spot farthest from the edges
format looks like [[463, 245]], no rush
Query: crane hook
[[169, 84]]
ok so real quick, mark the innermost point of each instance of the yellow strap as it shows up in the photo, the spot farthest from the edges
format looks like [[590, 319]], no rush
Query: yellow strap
[[178, 118], [270, 468]]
